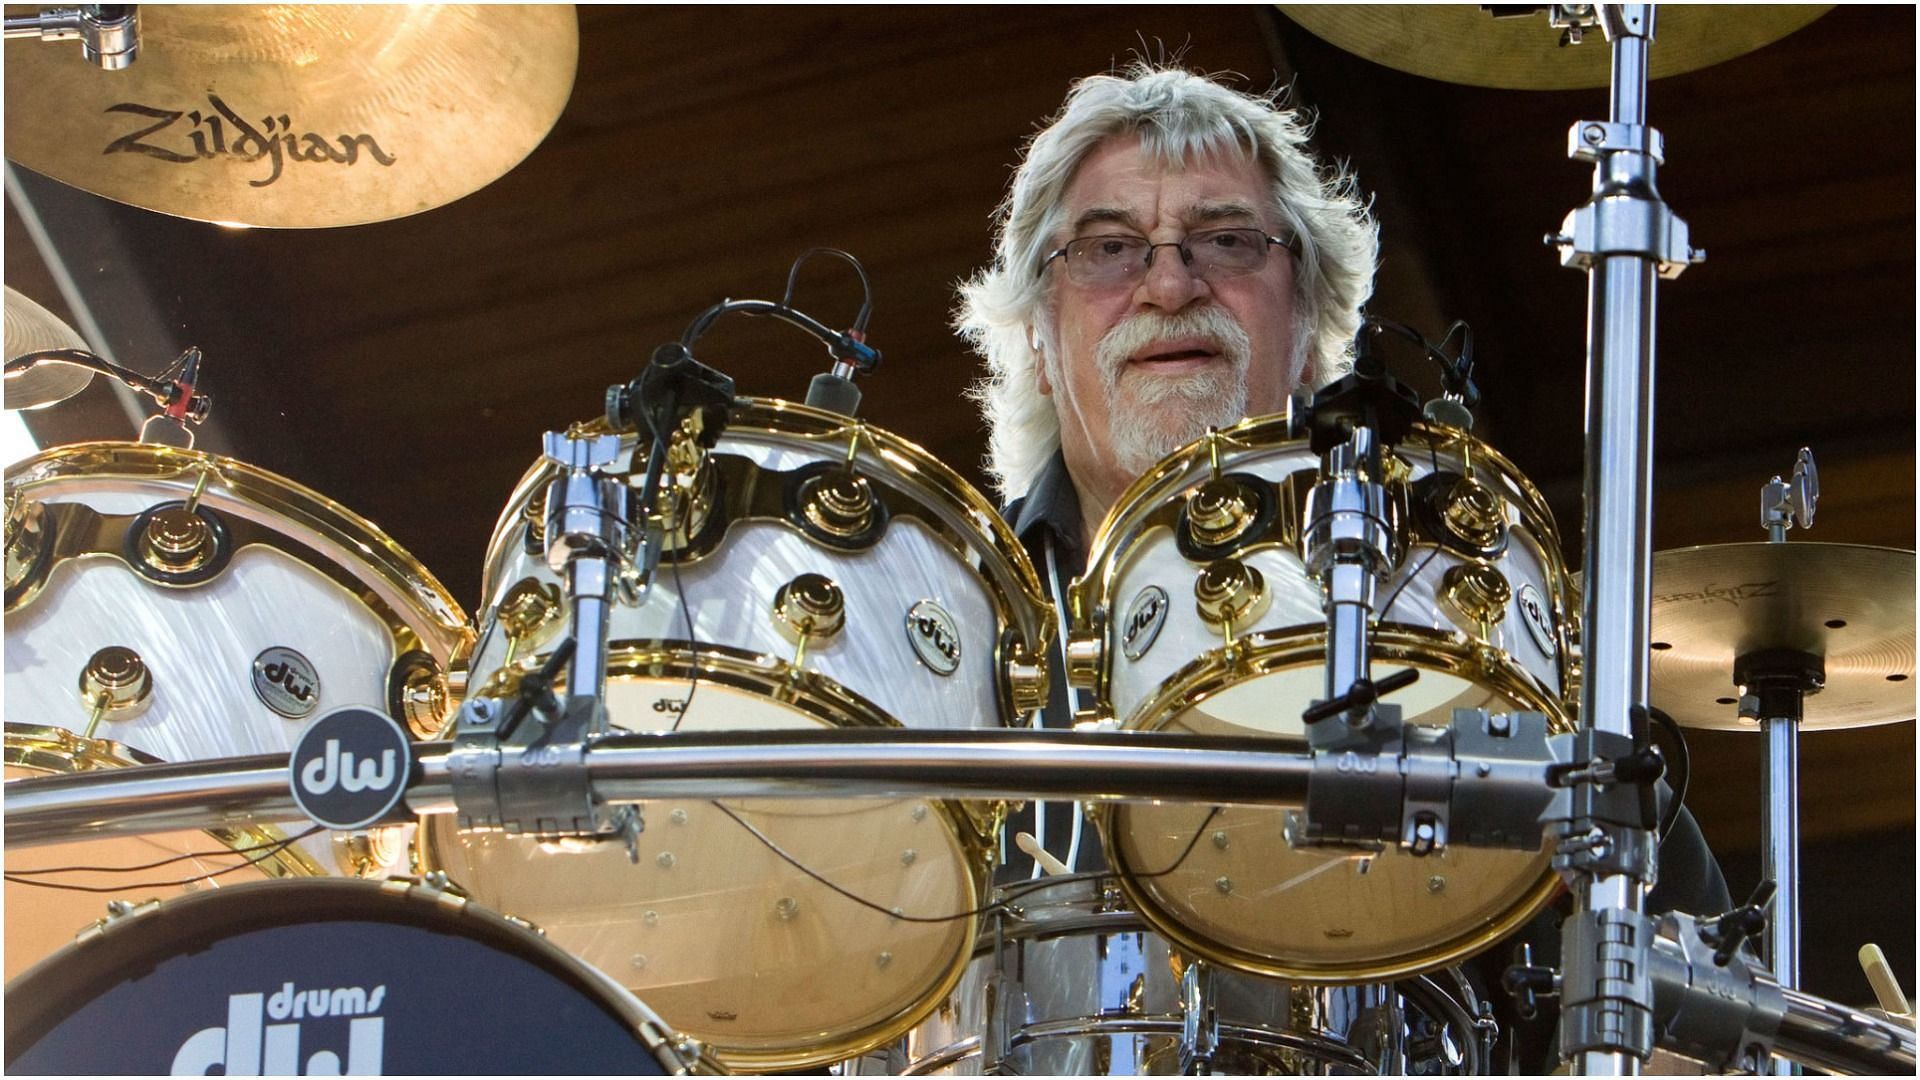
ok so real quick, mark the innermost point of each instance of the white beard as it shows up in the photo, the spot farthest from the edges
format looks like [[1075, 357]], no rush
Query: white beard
[[1150, 415]]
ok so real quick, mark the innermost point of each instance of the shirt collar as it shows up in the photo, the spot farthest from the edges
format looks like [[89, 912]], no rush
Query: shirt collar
[[1050, 505]]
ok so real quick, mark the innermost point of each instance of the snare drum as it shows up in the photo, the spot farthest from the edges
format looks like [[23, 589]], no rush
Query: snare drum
[[821, 573], [289, 978], [168, 605], [1479, 604], [1066, 981]]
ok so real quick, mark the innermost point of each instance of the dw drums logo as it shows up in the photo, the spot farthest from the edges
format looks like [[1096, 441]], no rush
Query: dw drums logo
[[249, 1046], [350, 768]]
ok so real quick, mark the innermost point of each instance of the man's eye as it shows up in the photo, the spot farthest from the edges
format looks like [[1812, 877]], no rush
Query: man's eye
[[1111, 247], [1228, 240]]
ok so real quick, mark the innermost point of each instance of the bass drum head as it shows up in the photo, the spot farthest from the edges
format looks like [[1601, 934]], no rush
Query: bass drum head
[[1226, 883], [730, 942], [324, 976]]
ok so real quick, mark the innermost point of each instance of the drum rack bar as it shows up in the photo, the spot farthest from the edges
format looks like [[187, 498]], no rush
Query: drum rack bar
[[890, 763]]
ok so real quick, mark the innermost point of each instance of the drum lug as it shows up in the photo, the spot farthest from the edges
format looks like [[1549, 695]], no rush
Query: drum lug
[[418, 695], [1026, 683], [115, 685], [1085, 656], [27, 540], [1230, 595]]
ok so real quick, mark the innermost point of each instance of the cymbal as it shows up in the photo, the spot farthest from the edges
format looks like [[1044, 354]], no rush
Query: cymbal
[[296, 117], [1852, 605], [32, 328], [1462, 43]]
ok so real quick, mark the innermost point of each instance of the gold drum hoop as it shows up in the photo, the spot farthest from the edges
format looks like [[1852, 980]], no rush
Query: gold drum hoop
[[1480, 603]]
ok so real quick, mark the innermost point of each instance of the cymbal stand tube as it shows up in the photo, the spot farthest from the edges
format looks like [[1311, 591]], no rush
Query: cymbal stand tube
[[1623, 237]]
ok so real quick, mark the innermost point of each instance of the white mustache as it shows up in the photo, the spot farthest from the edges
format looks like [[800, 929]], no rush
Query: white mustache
[[1222, 332]]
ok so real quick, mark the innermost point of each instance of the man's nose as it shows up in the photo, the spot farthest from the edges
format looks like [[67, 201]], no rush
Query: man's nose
[[1169, 283]]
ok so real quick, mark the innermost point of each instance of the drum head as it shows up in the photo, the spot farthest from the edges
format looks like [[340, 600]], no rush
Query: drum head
[[322, 976], [1227, 883]]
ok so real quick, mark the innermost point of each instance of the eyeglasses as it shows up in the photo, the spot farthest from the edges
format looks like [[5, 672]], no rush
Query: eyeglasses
[[1099, 261]]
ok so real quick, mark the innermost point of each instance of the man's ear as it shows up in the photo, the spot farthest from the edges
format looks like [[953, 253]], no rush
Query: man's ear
[[1040, 369]]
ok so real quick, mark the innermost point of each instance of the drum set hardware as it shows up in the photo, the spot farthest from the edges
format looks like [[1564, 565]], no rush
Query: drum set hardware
[[109, 34], [172, 390]]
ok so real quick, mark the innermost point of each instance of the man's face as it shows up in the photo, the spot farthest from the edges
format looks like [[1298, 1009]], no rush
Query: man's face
[[1142, 367]]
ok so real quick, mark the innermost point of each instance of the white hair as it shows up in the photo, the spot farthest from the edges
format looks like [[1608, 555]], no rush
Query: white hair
[[1179, 117]]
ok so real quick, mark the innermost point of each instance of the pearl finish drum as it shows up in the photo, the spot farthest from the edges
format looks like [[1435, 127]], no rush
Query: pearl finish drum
[[1065, 981], [821, 573], [169, 605], [1197, 614], [328, 977]]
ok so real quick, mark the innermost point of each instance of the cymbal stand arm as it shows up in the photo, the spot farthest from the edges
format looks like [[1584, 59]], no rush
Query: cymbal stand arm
[[109, 34], [1625, 238]]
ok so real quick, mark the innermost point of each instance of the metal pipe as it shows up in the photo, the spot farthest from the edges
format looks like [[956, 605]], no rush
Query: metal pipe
[[763, 764], [1824, 1035], [1780, 831], [1619, 466]]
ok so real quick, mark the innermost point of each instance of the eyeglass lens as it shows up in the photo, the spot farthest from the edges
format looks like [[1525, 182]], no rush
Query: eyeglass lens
[[1106, 260]]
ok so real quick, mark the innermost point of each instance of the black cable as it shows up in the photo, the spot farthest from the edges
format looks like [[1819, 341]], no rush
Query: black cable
[[866, 287], [268, 852], [211, 854], [861, 900], [1683, 763]]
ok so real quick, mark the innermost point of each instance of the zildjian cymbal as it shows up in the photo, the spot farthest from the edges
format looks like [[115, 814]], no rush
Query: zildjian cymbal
[[1849, 604], [296, 117], [1463, 43], [32, 328]]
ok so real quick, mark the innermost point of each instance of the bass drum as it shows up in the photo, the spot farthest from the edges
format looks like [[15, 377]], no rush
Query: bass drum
[[328, 977], [821, 573], [1197, 614], [1066, 982], [169, 605]]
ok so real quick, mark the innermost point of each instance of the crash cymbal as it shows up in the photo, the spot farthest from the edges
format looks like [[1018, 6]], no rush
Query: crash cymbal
[[1462, 43], [32, 328], [296, 117], [1850, 604]]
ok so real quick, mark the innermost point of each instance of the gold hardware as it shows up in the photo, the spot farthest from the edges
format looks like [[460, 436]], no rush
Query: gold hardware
[[1474, 512], [368, 854], [1230, 594], [839, 504], [810, 606], [422, 697], [1084, 660], [177, 541], [1213, 452], [1220, 512], [1026, 682], [529, 614], [856, 429], [199, 487], [115, 684], [1479, 592], [26, 535], [688, 495]]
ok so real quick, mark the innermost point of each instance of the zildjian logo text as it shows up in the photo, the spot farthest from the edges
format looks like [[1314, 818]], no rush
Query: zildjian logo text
[[1732, 594], [222, 133]]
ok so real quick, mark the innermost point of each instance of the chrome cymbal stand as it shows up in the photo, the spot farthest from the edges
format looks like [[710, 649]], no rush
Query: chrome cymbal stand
[[1625, 238]]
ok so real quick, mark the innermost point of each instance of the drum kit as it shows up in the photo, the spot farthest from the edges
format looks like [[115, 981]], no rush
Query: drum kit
[[718, 777]]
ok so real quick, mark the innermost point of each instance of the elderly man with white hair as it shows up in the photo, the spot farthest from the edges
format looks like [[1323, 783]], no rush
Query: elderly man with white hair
[[1171, 256]]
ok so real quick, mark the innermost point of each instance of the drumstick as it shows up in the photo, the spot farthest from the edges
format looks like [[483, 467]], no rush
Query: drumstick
[[1880, 977], [1025, 842]]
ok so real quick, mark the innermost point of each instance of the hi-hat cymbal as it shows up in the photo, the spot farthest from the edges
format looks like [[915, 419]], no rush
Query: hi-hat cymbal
[[1462, 43], [1850, 604], [294, 117], [32, 328]]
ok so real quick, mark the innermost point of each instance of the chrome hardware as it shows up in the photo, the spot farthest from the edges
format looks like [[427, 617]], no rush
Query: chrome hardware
[[1784, 504], [116, 685]]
